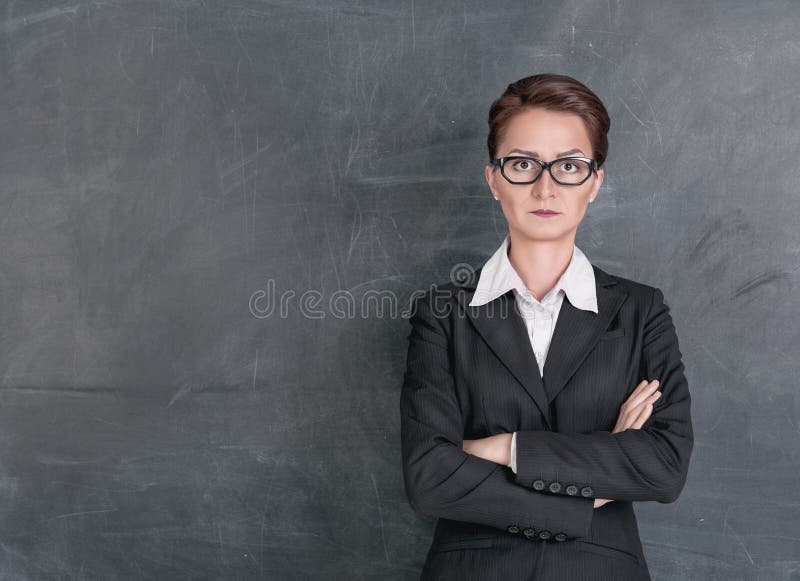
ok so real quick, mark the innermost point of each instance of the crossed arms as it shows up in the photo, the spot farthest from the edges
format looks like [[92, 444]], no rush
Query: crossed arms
[[443, 480]]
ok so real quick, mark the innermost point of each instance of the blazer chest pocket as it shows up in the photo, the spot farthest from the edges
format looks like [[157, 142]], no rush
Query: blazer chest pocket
[[620, 332], [465, 543]]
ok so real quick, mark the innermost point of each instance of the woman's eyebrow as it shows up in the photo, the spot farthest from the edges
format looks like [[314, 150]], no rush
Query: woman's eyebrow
[[534, 154]]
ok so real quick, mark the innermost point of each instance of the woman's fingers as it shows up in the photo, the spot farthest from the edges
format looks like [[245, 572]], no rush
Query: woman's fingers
[[643, 412], [635, 411], [642, 417], [642, 392]]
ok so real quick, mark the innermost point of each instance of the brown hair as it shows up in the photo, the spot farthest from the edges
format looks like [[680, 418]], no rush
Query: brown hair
[[554, 93]]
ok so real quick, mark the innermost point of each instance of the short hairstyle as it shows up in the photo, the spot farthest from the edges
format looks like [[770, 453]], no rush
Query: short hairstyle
[[554, 93]]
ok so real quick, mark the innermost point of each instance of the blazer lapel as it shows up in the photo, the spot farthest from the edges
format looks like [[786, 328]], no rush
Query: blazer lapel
[[501, 326], [578, 331]]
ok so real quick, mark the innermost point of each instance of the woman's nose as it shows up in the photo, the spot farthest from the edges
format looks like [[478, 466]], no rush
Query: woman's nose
[[545, 186]]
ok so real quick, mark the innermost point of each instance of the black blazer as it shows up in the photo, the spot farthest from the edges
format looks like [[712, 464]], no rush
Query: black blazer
[[471, 373]]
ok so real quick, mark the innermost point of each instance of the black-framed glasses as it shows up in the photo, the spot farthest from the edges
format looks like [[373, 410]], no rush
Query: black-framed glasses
[[567, 171]]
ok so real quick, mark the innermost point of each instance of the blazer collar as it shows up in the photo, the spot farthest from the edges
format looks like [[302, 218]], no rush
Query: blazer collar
[[576, 333]]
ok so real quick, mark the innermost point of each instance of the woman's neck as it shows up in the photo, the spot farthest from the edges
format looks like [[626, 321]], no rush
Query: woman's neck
[[540, 263]]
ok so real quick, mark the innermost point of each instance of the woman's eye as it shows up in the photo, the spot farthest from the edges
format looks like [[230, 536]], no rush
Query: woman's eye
[[568, 166]]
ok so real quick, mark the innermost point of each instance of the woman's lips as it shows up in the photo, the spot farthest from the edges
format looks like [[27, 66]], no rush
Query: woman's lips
[[545, 213]]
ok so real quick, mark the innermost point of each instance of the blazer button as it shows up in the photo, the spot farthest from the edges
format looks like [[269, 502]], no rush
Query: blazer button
[[513, 529], [561, 537], [587, 491], [544, 535], [538, 484], [529, 532], [572, 490], [555, 487]]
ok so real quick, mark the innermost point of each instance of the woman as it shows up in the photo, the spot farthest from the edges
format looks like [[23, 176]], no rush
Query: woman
[[530, 425]]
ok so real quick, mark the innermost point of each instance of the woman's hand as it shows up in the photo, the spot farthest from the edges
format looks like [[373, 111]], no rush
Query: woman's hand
[[638, 407], [634, 413], [494, 448]]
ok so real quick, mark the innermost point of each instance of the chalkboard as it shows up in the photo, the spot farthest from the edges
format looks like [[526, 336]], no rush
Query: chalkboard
[[185, 186]]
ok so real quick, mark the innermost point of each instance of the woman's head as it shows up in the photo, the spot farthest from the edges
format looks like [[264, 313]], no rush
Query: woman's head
[[554, 93], [546, 117]]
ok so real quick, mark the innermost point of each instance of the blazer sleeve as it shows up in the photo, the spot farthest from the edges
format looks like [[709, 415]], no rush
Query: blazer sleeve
[[650, 463], [443, 480]]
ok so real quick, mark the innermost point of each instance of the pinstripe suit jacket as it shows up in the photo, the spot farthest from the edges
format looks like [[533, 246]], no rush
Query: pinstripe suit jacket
[[471, 373]]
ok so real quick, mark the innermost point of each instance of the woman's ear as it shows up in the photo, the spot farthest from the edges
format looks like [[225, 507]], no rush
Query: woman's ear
[[601, 174], [489, 175]]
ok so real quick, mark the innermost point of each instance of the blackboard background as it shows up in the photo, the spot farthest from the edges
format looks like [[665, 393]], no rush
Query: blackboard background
[[161, 162]]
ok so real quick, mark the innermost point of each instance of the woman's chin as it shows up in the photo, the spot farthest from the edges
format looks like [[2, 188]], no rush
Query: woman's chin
[[543, 232]]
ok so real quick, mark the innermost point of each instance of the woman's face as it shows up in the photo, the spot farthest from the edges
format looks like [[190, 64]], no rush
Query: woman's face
[[545, 135]]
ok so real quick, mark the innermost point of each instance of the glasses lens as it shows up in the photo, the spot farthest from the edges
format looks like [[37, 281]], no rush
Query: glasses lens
[[571, 171], [521, 169]]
